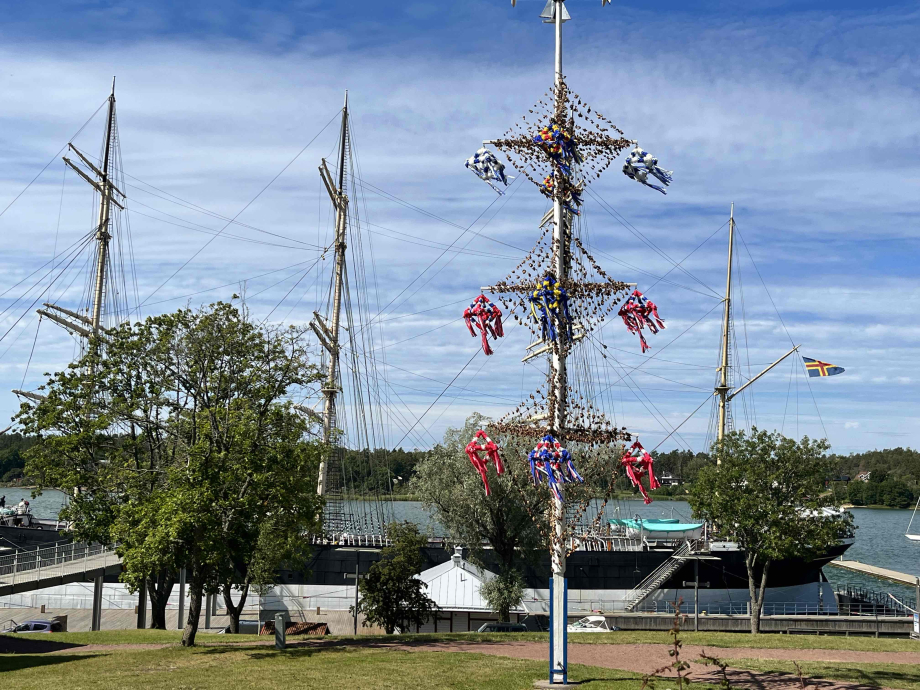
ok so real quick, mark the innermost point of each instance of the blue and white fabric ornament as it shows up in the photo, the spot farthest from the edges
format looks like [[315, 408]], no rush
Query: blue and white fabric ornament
[[553, 464], [549, 303], [641, 164], [487, 167]]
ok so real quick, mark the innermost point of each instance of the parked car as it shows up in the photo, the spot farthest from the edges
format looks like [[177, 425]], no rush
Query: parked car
[[502, 627], [592, 624], [36, 627]]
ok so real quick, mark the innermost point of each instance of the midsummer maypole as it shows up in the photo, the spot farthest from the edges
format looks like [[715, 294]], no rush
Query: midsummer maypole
[[563, 147]]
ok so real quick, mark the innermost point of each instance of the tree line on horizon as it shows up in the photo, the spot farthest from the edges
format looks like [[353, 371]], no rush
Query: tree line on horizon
[[893, 473]]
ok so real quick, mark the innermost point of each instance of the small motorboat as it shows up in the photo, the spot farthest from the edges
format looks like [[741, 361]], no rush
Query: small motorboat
[[591, 624]]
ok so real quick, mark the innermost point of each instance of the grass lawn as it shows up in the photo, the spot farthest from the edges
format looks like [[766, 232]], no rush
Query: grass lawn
[[216, 664], [903, 676], [335, 668], [762, 641], [143, 637], [705, 639]]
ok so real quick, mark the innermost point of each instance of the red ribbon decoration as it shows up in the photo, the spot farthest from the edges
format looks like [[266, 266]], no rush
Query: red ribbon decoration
[[482, 444], [488, 319], [640, 312], [637, 463]]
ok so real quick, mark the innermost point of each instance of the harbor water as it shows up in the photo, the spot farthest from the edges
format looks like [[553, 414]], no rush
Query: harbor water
[[880, 532]]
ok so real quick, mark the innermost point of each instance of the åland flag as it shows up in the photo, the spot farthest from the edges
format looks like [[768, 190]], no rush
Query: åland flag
[[816, 367]]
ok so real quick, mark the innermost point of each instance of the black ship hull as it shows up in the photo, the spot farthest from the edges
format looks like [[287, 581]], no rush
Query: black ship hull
[[586, 570]]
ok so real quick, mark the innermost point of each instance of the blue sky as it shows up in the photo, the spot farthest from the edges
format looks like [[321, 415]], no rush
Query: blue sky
[[802, 114]]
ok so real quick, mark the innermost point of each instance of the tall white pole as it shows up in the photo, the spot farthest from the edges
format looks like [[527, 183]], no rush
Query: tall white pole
[[722, 388], [331, 387], [561, 247]]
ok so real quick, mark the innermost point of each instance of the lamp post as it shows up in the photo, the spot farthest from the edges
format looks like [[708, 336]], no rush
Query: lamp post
[[357, 575], [696, 584]]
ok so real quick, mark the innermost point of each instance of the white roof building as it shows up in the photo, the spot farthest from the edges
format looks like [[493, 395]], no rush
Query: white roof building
[[454, 585]]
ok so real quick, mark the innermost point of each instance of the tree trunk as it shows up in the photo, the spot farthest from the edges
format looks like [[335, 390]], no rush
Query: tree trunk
[[749, 560], [757, 598], [159, 587], [761, 596], [194, 611], [235, 611], [504, 615]]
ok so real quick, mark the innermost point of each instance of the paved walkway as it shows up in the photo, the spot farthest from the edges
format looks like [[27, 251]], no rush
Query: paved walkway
[[884, 573]]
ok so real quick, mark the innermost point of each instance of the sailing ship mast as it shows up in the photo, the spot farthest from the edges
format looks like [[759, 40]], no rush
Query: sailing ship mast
[[724, 389], [89, 326], [103, 235], [329, 334]]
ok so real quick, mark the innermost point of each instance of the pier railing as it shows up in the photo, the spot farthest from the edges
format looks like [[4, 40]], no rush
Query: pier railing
[[55, 560], [857, 595]]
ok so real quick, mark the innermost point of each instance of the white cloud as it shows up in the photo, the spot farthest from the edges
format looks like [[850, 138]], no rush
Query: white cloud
[[785, 128]]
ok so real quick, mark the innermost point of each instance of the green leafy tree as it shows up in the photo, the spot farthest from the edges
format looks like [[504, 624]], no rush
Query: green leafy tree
[[504, 593], [179, 443], [769, 495], [391, 596], [447, 483], [856, 493]]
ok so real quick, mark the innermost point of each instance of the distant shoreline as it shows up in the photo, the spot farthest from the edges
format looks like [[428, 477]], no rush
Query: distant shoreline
[[847, 506], [614, 497]]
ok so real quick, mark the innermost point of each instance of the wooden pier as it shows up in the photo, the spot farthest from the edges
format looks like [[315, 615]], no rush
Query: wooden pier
[[875, 571]]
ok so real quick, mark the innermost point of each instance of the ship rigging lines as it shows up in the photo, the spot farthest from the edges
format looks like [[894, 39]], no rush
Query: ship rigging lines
[[380, 315]]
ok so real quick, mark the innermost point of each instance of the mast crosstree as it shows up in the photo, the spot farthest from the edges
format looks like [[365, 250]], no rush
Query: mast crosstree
[[723, 388], [328, 334], [100, 179]]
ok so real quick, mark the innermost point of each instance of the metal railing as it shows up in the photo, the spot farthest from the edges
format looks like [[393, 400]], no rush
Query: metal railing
[[733, 608], [55, 560], [883, 601], [658, 576], [345, 539]]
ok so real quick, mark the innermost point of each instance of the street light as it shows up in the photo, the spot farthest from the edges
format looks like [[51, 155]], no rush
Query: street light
[[696, 558], [357, 576]]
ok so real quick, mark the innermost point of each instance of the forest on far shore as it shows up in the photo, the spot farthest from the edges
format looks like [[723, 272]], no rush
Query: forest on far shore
[[893, 473]]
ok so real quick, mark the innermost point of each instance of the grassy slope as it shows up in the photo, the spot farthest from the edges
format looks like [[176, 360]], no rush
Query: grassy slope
[[905, 676], [706, 639], [710, 639], [143, 637], [763, 641], [175, 668], [216, 665]]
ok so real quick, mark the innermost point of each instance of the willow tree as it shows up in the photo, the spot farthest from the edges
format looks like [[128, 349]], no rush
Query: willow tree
[[768, 494], [504, 521], [180, 443]]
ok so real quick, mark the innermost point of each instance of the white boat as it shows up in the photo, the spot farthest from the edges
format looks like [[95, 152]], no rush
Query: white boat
[[650, 528], [591, 624]]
